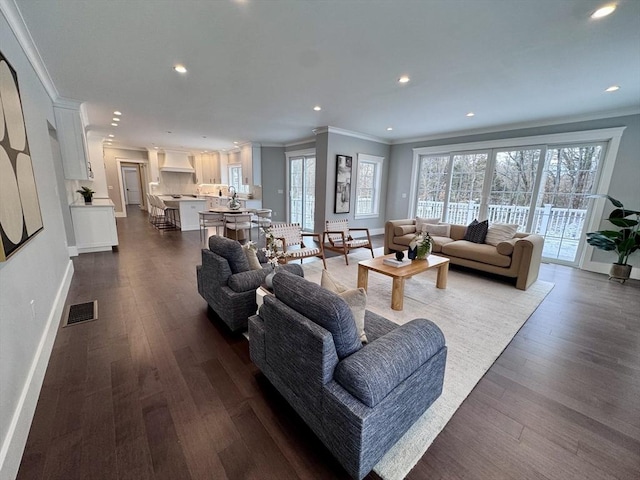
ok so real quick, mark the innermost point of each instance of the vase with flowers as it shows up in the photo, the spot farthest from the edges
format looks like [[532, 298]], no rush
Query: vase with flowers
[[273, 252], [420, 246]]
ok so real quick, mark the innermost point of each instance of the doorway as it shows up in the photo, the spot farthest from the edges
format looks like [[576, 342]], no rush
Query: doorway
[[132, 188]]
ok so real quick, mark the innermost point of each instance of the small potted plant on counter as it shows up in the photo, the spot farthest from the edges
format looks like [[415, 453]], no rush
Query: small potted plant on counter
[[86, 193], [623, 242]]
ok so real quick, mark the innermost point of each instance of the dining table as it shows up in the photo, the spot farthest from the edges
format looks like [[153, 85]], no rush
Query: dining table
[[229, 210]]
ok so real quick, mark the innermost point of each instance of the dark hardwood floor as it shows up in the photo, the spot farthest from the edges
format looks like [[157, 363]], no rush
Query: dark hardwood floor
[[156, 388]]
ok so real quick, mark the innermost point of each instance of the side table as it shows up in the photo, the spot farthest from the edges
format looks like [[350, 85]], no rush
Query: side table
[[261, 292]]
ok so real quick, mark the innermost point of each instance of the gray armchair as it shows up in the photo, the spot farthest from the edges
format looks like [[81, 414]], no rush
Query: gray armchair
[[359, 400], [228, 284]]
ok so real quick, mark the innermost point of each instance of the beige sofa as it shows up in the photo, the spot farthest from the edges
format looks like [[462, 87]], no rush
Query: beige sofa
[[518, 258]]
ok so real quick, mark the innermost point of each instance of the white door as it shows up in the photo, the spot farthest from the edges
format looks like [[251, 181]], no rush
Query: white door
[[131, 181]]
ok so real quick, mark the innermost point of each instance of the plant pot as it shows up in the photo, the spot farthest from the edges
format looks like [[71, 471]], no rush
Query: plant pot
[[87, 200], [620, 272]]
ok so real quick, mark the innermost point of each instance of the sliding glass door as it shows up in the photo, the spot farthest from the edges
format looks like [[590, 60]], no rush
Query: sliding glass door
[[302, 193], [569, 177], [516, 186]]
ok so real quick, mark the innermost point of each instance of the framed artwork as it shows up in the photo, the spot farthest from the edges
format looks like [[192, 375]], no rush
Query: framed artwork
[[20, 217], [343, 184]]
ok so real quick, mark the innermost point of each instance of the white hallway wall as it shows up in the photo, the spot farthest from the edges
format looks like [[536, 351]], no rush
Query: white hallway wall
[[35, 280]]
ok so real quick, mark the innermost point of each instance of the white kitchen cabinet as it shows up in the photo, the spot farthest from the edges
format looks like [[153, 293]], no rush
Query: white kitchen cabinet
[[210, 166], [94, 225], [70, 134], [251, 160]]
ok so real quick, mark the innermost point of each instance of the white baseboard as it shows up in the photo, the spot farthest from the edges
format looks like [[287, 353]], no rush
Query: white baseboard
[[599, 267], [16, 438], [73, 251]]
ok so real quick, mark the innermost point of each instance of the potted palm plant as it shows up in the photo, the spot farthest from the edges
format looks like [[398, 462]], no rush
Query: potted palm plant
[[86, 193], [623, 242]]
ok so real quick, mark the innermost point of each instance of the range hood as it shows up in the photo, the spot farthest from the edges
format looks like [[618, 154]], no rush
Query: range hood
[[177, 162]]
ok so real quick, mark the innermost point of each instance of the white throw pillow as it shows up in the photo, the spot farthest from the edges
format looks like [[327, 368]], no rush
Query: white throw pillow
[[422, 221], [500, 232], [441, 230], [356, 298], [252, 257]]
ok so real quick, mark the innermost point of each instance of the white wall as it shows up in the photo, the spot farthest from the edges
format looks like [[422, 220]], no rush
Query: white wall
[[35, 280]]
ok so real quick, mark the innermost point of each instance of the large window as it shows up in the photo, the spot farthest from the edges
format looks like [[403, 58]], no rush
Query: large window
[[368, 181], [235, 178], [543, 188]]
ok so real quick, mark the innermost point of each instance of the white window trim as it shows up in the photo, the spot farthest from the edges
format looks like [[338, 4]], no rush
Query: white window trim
[[365, 157]]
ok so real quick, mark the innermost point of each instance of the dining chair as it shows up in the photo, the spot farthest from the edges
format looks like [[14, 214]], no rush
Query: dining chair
[[237, 222], [210, 220], [262, 219]]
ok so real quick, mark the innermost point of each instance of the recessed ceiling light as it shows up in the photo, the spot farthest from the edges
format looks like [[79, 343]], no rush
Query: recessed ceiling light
[[111, 135], [114, 124], [180, 69], [404, 79], [389, 129], [235, 143], [317, 108], [613, 88], [117, 112], [156, 148], [604, 11], [471, 114], [115, 119]]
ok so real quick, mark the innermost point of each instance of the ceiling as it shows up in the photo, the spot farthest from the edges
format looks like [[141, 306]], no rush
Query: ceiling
[[257, 68]]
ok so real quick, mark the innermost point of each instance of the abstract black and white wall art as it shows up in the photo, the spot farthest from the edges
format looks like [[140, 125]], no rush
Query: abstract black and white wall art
[[20, 217], [343, 183]]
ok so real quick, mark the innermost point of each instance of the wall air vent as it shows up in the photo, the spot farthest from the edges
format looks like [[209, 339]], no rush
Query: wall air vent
[[177, 162]]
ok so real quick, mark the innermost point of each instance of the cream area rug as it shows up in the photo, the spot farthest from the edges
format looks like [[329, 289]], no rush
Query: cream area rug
[[478, 316]]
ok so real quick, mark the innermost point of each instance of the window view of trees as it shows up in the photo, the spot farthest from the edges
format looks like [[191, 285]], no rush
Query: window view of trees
[[551, 201], [368, 182], [302, 191], [365, 188], [569, 175]]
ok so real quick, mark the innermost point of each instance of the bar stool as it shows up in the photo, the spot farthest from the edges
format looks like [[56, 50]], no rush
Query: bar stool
[[170, 221], [210, 219]]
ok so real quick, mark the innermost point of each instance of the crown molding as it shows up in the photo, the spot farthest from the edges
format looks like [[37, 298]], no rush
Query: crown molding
[[349, 133], [17, 24], [522, 125], [300, 142]]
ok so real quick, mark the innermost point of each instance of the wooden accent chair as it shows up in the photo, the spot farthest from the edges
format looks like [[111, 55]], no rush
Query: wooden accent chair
[[291, 235], [337, 237]]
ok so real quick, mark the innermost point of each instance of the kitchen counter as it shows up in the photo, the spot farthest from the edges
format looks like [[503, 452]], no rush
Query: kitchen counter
[[188, 209]]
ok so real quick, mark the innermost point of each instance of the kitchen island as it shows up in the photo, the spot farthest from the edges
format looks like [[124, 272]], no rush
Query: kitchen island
[[187, 207]]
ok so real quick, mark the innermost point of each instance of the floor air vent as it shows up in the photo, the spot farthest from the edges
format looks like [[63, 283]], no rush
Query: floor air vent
[[80, 313]]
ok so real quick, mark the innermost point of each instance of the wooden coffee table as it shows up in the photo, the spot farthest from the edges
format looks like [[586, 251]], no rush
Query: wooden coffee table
[[399, 274]]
